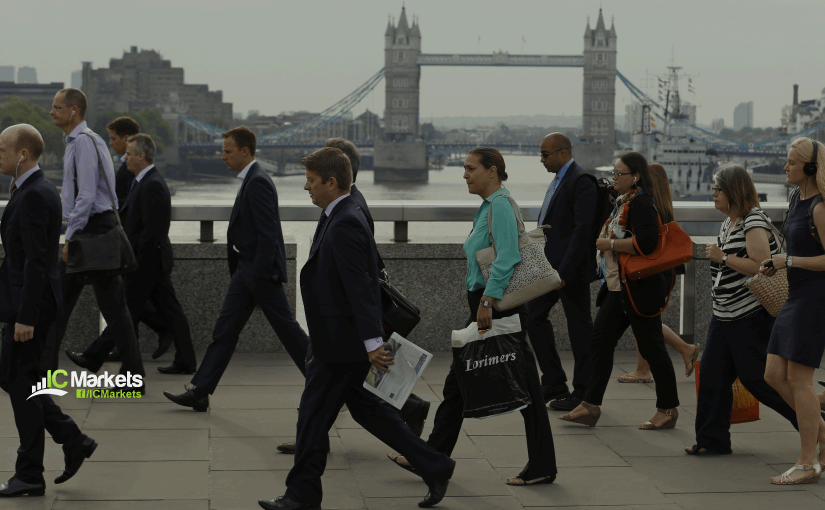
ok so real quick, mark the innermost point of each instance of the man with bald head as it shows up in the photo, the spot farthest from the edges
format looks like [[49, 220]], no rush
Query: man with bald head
[[569, 207], [30, 301]]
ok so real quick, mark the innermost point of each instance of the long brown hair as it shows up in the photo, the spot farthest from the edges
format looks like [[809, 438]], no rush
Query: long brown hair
[[660, 192]]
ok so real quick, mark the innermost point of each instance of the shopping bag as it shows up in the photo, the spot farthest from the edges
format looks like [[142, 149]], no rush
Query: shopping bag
[[745, 407], [492, 368]]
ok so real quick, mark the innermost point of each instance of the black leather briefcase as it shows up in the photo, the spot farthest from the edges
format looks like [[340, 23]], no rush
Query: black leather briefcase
[[400, 315]]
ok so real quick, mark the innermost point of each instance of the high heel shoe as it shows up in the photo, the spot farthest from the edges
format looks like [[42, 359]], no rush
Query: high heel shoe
[[785, 478], [671, 423], [589, 419]]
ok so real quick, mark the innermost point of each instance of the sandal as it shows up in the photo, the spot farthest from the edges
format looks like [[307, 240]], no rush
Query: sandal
[[690, 365], [402, 466], [536, 481], [698, 450], [785, 478], [628, 378], [669, 424]]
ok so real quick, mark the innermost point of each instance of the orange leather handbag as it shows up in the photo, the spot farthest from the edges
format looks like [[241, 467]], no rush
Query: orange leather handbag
[[674, 249]]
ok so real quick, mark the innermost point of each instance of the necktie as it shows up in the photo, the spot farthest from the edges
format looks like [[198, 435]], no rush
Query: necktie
[[320, 226], [13, 189], [547, 197]]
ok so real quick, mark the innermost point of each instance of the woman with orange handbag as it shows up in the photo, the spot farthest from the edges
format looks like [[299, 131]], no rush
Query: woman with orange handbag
[[740, 326], [633, 228]]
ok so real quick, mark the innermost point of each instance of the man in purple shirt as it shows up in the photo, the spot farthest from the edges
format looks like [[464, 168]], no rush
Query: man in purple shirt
[[86, 201]]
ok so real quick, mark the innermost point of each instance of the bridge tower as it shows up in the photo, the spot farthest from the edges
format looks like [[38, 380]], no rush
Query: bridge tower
[[401, 156], [599, 87]]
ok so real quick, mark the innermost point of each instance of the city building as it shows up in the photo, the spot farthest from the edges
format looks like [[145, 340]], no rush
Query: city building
[[144, 80], [598, 108], [802, 115], [77, 79], [717, 125], [634, 118], [41, 95], [7, 73], [27, 75], [743, 116]]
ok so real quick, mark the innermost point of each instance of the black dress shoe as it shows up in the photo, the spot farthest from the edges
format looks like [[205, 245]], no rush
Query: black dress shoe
[[554, 392], [284, 502], [821, 382], [114, 356], [82, 361], [566, 404], [438, 489], [74, 455], [14, 488], [288, 447], [164, 342], [418, 417], [189, 399], [176, 369]]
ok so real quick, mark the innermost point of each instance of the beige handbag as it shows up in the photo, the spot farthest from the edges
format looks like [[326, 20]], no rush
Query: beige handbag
[[771, 291], [533, 276]]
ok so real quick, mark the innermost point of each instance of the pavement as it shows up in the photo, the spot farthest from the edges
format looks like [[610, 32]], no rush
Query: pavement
[[156, 455]]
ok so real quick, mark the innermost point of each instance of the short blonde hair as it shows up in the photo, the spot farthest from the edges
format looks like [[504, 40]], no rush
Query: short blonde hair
[[804, 148]]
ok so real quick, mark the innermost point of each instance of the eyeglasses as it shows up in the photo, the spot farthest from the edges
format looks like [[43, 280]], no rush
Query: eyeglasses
[[545, 154], [616, 175], [716, 189]]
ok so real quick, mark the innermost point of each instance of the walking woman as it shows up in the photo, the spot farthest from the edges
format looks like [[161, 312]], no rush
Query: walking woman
[[635, 223], [664, 203], [740, 327], [484, 172], [798, 341]]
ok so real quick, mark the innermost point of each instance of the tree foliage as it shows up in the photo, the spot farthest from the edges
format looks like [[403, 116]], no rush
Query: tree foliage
[[150, 123], [15, 110]]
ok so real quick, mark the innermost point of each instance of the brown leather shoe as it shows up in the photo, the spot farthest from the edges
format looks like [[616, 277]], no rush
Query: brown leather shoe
[[288, 447]]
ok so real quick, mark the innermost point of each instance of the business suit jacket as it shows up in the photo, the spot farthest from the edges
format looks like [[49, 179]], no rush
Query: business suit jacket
[[570, 246], [361, 202], [30, 232], [123, 181], [255, 228], [146, 215], [339, 287]]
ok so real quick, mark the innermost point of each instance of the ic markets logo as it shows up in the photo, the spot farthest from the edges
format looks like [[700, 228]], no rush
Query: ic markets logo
[[89, 385]]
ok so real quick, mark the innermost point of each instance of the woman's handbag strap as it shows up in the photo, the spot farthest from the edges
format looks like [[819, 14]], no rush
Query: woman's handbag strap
[[105, 177], [516, 210]]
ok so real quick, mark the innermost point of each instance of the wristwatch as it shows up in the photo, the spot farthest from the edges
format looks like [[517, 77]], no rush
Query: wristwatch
[[486, 304], [789, 261], [725, 260]]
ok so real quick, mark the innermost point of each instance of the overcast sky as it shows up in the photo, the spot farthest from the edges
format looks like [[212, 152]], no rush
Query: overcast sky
[[276, 55]]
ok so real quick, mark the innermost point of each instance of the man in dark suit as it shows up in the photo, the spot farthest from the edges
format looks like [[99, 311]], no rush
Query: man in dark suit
[[342, 300], [146, 216], [120, 130], [257, 265], [30, 303], [571, 250]]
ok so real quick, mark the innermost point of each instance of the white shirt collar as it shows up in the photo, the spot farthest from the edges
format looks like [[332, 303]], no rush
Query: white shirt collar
[[123, 159], [332, 204], [245, 170], [139, 176], [76, 131], [20, 180]]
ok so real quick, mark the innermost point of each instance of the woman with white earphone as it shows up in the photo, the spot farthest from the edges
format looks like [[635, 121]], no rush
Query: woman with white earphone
[[797, 343], [634, 223]]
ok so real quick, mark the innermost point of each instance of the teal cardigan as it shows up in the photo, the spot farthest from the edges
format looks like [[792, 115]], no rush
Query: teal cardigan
[[505, 234]]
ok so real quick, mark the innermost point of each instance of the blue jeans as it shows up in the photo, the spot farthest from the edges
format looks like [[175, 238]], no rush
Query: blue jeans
[[734, 349]]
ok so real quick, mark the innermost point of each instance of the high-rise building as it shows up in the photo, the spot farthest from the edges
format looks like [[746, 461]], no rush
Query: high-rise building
[[634, 118], [7, 73], [27, 75], [143, 79], [743, 116], [77, 79], [402, 45], [717, 125], [41, 95], [598, 123]]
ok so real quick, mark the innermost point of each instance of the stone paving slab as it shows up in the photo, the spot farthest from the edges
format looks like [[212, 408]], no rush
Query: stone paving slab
[[574, 450], [789, 499], [132, 505], [241, 490], [261, 454]]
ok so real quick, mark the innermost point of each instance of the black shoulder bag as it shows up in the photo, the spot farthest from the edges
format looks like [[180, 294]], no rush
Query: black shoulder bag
[[102, 249], [400, 315]]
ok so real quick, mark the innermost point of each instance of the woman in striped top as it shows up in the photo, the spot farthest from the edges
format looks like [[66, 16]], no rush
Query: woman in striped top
[[740, 327]]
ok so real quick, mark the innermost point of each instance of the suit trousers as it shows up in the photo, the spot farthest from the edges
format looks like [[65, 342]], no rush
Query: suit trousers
[[110, 294], [575, 298], [20, 362], [449, 416], [734, 349], [142, 287], [612, 321], [245, 292], [328, 387]]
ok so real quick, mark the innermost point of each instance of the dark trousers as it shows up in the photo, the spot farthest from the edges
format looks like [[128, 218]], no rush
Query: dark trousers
[[575, 298], [328, 387], [19, 371], [142, 287], [449, 416], [245, 292], [110, 294], [611, 322], [734, 349]]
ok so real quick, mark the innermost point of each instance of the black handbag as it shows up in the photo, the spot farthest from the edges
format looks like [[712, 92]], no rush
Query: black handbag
[[400, 316], [102, 249]]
